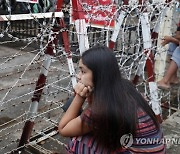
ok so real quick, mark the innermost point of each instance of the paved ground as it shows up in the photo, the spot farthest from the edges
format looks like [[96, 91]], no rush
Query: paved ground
[[18, 76], [171, 128]]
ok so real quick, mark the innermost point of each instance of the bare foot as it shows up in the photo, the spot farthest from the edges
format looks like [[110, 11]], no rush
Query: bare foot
[[175, 81], [162, 85]]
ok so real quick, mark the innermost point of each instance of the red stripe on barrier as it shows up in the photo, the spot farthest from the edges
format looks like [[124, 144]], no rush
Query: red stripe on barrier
[[111, 44], [39, 88], [26, 133]]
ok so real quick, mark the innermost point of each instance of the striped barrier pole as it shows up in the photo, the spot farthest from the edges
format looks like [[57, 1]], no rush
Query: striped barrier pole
[[148, 61], [80, 25], [42, 78], [163, 29], [66, 45], [27, 130], [43, 74], [68, 52], [118, 25], [157, 26]]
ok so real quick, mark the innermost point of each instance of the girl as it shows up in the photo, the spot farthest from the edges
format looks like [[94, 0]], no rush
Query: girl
[[115, 109]]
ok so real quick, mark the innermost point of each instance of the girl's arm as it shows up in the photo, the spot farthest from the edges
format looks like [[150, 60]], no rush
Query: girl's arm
[[71, 124]]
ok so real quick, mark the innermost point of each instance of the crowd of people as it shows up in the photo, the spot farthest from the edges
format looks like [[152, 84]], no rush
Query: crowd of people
[[23, 7]]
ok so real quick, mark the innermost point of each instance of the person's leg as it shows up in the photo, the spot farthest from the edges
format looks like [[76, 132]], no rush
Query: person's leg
[[171, 74], [172, 53], [176, 58], [165, 82], [174, 79]]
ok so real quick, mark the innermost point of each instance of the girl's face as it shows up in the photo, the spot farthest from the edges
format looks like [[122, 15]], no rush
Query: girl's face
[[85, 75]]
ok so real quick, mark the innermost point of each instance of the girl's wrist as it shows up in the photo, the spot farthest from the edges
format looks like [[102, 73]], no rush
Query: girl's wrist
[[80, 97]]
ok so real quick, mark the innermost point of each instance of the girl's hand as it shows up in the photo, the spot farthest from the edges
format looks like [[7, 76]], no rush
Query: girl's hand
[[82, 90]]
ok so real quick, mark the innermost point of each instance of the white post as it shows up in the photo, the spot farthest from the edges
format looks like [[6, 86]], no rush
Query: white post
[[72, 71], [154, 100], [159, 20], [147, 48], [118, 26], [147, 44], [82, 36], [165, 29]]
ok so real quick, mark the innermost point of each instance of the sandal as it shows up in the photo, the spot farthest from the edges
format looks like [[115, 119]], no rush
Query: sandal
[[164, 87], [175, 83]]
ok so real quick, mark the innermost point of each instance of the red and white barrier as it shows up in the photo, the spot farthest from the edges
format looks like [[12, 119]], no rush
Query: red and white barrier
[[44, 70], [30, 16], [118, 25]]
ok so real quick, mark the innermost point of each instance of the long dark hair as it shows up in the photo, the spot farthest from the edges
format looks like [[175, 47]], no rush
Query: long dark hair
[[115, 100]]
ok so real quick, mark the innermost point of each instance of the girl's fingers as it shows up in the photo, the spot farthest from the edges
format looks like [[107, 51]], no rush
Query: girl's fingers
[[79, 87], [84, 92], [90, 89]]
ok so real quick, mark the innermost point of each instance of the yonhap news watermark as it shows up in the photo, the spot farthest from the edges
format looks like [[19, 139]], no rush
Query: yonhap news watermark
[[127, 140], [172, 140]]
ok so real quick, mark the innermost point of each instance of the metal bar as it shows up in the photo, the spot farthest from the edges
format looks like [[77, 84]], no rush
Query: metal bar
[[30, 16]]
